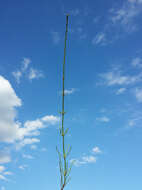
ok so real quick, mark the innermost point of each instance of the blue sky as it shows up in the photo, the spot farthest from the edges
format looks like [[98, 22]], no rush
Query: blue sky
[[103, 93]]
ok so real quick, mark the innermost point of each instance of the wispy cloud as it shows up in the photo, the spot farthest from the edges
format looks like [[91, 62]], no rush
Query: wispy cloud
[[25, 64], [2, 168], [138, 94], [87, 159], [99, 39], [35, 74], [56, 37], [135, 1], [137, 62], [17, 75], [43, 149], [79, 31], [27, 71], [126, 15], [120, 21], [135, 119], [23, 167], [120, 91], [8, 173], [33, 147], [27, 156], [83, 160], [4, 157], [74, 12], [117, 78], [103, 119], [26, 141], [4, 173], [69, 91], [82, 35], [2, 177], [96, 150]]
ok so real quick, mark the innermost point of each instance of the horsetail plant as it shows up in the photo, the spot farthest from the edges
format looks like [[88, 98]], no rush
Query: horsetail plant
[[63, 162]]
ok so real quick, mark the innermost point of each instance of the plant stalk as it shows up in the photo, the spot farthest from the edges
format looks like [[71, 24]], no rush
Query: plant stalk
[[64, 169]]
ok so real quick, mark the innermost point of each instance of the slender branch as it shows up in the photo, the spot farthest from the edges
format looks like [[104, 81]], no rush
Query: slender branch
[[63, 100], [64, 169]]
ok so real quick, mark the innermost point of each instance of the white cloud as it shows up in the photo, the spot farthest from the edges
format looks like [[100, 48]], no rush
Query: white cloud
[[27, 71], [31, 128], [43, 149], [99, 39], [103, 119], [116, 78], [132, 122], [136, 120], [2, 168], [17, 75], [126, 15], [69, 91], [137, 62], [2, 177], [23, 167], [121, 20], [4, 157], [8, 173], [35, 74], [96, 150], [25, 62], [8, 102], [27, 156], [120, 91], [76, 162], [138, 94], [55, 37], [26, 141], [50, 119], [10, 129], [86, 159], [89, 159], [3, 173], [83, 160], [33, 147]]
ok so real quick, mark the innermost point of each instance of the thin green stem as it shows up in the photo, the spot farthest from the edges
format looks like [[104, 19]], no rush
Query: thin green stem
[[63, 113]]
